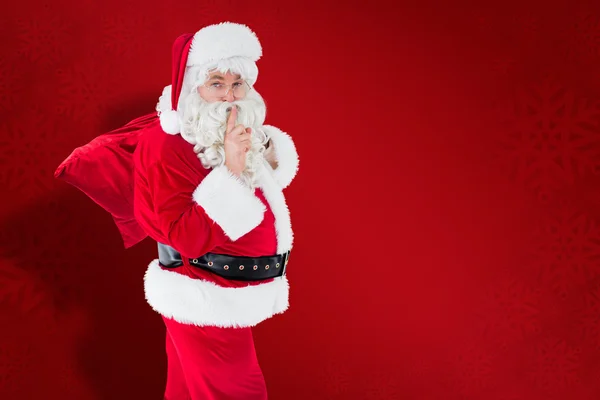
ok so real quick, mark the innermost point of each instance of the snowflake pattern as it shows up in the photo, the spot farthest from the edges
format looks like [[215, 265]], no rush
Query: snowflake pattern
[[12, 180], [554, 364], [124, 34], [586, 37], [474, 370], [568, 253], [504, 30], [383, 384], [30, 154], [526, 27], [10, 84], [508, 311], [588, 319], [15, 359], [37, 37], [21, 289], [336, 378], [552, 137], [82, 94], [503, 67]]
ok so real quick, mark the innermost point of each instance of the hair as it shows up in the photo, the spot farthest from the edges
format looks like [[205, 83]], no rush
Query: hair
[[195, 76]]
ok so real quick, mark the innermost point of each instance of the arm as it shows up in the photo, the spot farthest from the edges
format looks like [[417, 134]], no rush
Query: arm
[[284, 156], [196, 212]]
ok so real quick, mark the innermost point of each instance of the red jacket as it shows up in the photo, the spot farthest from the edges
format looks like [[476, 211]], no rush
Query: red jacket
[[196, 210]]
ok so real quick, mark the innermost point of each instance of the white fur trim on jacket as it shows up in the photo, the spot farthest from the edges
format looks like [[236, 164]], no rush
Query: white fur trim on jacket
[[229, 202], [285, 154], [274, 195], [223, 40], [203, 303]]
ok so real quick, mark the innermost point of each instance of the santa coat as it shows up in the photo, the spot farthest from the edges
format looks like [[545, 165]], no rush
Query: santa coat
[[196, 210]]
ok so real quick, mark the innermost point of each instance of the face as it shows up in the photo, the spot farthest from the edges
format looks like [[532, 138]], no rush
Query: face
[[218, 83], [205, 115]]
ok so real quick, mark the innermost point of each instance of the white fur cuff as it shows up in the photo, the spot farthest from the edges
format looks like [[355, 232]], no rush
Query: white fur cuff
[[202, 303], [229, 202], [285, 154]]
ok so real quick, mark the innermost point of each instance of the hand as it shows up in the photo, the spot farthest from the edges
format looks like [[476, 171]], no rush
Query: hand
[[269, 155], [237, 143]]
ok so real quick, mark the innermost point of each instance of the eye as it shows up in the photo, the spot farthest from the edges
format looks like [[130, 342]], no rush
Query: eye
[[238, 84], [216, 85]]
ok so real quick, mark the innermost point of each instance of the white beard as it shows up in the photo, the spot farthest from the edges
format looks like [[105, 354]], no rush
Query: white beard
[[204, 125]]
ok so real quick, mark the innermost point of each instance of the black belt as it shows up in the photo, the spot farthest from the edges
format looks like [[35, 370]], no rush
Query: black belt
[[230, 267]]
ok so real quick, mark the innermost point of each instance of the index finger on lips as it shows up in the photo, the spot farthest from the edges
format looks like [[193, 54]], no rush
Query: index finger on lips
[[231, 119]]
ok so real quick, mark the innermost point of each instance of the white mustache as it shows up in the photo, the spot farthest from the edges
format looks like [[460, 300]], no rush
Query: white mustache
[[213, 122]]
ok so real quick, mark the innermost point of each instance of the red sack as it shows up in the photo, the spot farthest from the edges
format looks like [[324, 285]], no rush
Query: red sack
[[103, 170]]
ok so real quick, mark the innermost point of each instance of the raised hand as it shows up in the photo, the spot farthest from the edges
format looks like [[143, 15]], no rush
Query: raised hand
[[237, 144]]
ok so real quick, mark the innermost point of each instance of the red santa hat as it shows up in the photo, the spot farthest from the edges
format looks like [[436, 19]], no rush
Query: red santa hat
[[214, 46]]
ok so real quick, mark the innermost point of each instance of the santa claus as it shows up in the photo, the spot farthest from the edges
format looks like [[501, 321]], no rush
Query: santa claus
[[207, 186]]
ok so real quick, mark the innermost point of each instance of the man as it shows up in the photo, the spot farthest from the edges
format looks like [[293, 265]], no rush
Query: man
[[208, 182]]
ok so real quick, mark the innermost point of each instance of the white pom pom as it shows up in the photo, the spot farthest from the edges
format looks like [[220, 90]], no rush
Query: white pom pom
[[169, 120]]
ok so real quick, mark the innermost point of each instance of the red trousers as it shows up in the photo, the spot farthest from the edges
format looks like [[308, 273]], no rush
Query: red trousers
[[211, 363]]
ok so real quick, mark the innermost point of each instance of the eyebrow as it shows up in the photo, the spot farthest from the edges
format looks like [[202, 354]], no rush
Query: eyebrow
[[222, 78]]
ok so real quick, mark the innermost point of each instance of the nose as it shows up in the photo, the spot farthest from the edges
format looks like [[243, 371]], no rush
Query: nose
[[229, 96]]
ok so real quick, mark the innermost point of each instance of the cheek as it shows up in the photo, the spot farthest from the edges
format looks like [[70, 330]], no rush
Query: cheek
[[205, 94]]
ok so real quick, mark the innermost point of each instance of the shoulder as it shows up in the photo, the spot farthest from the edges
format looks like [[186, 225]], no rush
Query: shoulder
[[156, 146], [156, 140]]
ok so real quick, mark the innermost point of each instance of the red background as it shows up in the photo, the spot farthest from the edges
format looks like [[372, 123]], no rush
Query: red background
[[446, 219]]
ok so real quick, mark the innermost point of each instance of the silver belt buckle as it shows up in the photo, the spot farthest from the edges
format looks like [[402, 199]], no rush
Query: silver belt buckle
[[285, 261]]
